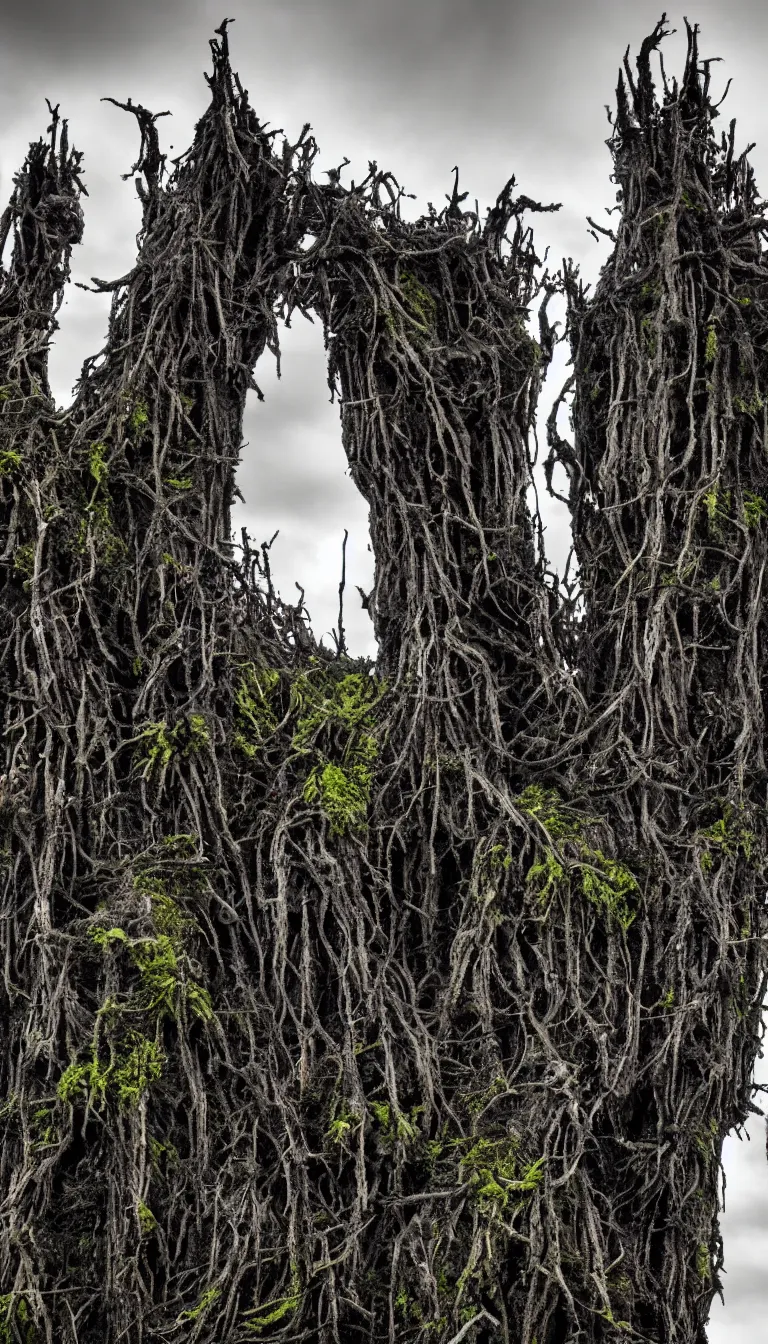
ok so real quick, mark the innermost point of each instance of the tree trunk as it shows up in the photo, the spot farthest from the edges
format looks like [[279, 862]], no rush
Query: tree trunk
[[406, 1001]]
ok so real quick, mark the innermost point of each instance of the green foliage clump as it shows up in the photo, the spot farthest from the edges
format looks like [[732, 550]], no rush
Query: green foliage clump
[[477, 1101], [162, 984], [344, 794], [97, 524], [163, 1151]]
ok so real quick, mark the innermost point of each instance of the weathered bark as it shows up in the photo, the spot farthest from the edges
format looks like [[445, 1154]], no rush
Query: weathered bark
[[407, 1001]]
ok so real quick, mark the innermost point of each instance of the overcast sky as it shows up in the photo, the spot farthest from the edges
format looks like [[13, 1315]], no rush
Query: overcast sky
[[419, 85]]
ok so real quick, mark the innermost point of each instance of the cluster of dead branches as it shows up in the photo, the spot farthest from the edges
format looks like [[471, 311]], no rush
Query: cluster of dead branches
[[396, 1001]]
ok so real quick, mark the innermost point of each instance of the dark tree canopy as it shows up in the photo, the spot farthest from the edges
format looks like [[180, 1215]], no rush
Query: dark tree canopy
[[408, 999]]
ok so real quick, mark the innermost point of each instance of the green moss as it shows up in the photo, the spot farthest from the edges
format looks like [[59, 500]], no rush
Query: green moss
[[44, 1127], [691, 205], [161, 745], [703, 1267], [97, 523], [560, 822], [179, 482], [344, 794], [209, 1296], [345, 1123], [547, 873], [347, 702], [12, 1305], [147, 1219], [130, 1072], [718, 506], [96, 464], [726, 836], [605, 882], [24, 559], [158, 964], [751, 407], [10, 461], [255, 719], [477, 1101], [189, 735], [608, 884], [162, 985], [493, 1171], [198, 735], [710, 350], [418, 301], [278, 1307], [342, 787], [755, 509], [403, 1128], [139, 418], [407, 1307], [105, 937], [608, 1316], [160, 1152], [10, 1105]]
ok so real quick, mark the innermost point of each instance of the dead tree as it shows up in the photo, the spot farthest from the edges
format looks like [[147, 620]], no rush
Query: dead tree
[[398, 1001]]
